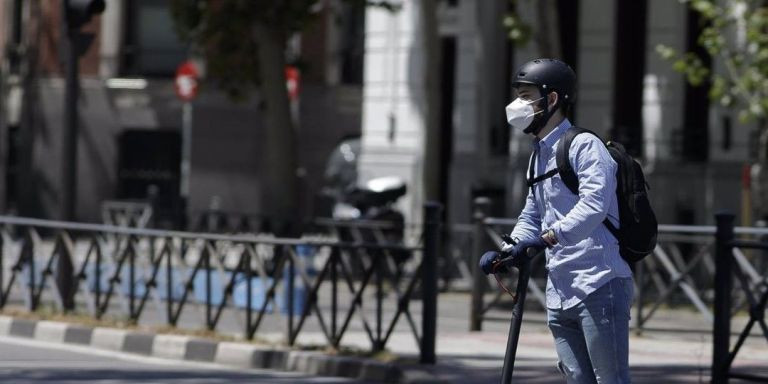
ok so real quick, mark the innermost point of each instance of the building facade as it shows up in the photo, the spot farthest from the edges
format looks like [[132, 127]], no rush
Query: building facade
[[693, 151], [130, 130]]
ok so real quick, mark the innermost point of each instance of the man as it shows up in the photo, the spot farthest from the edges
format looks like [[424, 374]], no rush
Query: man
[[589, 286]]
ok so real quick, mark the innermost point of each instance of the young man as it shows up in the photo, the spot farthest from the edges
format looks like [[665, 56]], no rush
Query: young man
[[589, 286]]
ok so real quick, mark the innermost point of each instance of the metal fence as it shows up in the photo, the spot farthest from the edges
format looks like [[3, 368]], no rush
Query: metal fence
[[680, 273], [111, 270], [121, 213], [754, 291]]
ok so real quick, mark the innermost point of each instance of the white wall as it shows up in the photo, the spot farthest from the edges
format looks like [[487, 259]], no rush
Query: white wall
[[111, 38], [664, 88], [393, 119]]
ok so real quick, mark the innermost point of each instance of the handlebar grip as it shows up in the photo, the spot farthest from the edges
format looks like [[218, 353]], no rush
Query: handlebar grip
[[530, 254]]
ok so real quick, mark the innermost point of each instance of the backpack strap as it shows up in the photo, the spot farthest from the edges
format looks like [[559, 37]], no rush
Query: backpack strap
[[611, 228], [532, 170], [568, 175], [532, 178]]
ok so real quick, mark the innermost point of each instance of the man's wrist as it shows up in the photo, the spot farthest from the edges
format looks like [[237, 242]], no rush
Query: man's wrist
[[549, 238]]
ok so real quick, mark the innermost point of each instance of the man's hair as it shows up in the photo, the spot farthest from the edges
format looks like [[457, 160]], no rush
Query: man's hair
[[562, 104], [566, 108]]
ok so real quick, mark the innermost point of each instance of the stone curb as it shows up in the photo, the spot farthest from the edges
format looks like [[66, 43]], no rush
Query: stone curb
[[241, 355]]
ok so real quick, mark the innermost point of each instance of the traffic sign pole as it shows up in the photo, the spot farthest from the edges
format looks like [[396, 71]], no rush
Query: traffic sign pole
[[186, 88], [186, 147]]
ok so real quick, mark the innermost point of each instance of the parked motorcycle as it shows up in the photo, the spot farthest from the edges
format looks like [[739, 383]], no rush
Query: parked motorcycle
[[363, 212]]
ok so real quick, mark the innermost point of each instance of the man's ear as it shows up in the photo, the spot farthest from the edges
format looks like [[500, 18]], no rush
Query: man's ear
[[552, 99]]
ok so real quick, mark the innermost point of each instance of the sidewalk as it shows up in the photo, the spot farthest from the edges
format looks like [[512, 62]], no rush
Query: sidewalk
[[658, 357], [655, 356]]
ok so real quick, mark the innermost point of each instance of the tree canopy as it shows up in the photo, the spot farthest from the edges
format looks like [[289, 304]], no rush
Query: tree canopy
[[735, 33]]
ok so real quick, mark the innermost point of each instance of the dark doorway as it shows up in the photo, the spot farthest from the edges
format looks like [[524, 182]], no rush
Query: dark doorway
[[149, 169], [695, 135], [448, 84], [568, 19], [501, 129], [629, 73]]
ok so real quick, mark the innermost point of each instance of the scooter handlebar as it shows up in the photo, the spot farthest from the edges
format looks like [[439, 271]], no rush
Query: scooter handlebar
[[509, 260]]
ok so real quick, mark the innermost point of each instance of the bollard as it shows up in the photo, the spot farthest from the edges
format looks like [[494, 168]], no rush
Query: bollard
[[432, 212], [480, 210], [721, 332], [65, 275], [132, 280]]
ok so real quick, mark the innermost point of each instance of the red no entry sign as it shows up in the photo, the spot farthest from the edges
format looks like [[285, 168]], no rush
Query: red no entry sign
[[292, 81], [186, 81]]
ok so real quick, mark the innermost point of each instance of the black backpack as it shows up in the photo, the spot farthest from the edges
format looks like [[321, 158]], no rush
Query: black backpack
[[637, 223]]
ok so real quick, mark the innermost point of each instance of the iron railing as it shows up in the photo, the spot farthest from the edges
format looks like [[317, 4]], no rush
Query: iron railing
[[728, 266], [679, 274], [112, 270]]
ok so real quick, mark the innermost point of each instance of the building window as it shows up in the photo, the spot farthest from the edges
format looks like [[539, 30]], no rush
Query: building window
[[353, 44], [152, 47]]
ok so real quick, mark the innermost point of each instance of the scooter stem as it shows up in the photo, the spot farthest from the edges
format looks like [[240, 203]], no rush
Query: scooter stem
[[524, 269]]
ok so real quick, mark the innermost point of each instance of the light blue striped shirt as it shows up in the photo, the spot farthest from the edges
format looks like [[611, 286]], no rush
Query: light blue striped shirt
[[587, 254]]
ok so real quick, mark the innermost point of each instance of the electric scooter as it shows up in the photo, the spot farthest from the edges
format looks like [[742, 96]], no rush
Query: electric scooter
[[518, 300]]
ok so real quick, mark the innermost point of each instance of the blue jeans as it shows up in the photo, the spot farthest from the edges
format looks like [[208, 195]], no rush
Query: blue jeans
[[592, 338]]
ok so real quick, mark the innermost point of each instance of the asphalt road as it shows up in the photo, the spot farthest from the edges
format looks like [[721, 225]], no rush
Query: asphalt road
[[30, 361]]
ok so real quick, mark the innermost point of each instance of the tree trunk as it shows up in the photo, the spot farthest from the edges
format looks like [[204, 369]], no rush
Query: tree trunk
[[432, 71], [280, 187]]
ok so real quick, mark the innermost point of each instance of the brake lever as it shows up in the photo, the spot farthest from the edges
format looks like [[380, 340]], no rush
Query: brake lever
[[522, 267], [530, 254], [508, 239]]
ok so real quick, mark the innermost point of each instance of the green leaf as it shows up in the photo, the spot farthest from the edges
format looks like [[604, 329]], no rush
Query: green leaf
[[717, 90], [744, 117], [680, 66], [517, 30], [666, 52], [706, 8]]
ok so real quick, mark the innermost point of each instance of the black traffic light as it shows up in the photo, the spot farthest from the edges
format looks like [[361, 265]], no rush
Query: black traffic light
[[80, 12]]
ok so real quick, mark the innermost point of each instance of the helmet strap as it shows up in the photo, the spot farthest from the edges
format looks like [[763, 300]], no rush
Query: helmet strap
[[541, 119]]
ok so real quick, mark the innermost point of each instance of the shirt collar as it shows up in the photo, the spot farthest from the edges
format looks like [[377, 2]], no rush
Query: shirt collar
[[551, 138]]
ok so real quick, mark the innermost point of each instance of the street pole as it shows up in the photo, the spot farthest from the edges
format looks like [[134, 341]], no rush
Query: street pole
[[185, 83], [186, 148], [71, 93], [64, 265], [432, 228]]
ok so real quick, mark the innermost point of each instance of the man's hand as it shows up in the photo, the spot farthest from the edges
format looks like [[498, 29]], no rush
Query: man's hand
[[523, 245], [517, 253], [510, 254], [487, 261]]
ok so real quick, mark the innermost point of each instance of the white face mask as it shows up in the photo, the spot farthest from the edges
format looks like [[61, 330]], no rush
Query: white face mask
[[520, 113]]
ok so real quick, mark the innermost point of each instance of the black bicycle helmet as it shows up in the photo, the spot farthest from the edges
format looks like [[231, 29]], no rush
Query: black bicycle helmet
[[549, 75]]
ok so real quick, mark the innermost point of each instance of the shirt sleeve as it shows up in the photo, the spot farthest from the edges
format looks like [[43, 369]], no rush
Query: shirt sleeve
[[596, 172], [529, 222]]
